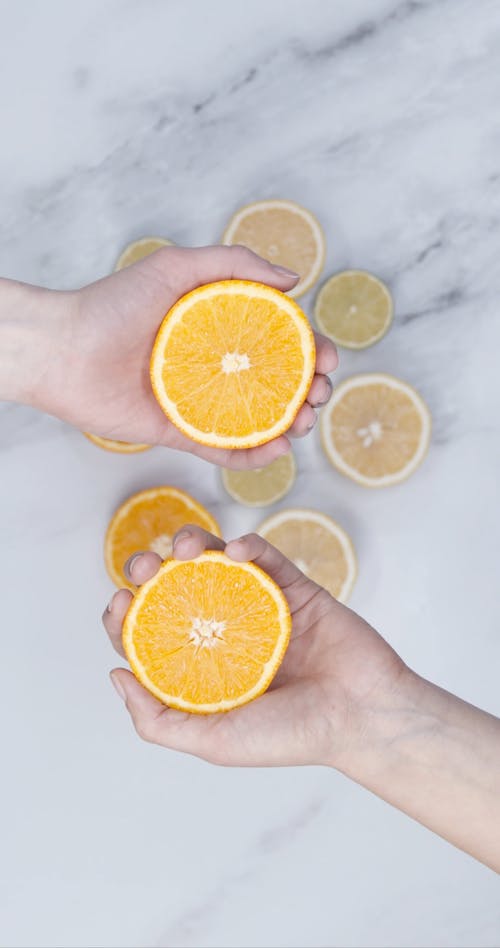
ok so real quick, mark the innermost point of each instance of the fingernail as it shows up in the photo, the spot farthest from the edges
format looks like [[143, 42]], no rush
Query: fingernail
[[182, 535], [329, 392], [117, 685], [284, 271], [311, 426], [129, 564], [110, 603]]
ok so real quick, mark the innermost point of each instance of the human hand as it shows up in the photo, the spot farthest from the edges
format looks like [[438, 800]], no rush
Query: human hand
[[101, 383], [318, 708]]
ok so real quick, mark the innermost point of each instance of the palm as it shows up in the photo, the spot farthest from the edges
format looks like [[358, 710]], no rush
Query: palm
[[334, 664], [110, 344]]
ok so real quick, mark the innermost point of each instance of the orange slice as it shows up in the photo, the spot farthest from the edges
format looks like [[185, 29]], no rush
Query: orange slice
[[375, 429], [232, 363], [139, 249], [207, 635], [284, 233], [354, 308], [148, 520], [119, 447], [318, 545]]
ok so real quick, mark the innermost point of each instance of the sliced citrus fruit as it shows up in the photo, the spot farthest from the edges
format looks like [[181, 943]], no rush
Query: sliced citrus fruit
[[262, 486], [354, 309], [148, 520], [207, 635], [120, 447], [375, 429], [139, 249], [232, 363], [317, 545], [284, 233]]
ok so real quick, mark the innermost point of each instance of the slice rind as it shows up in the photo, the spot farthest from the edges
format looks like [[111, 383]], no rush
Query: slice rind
[[283, 232], [148, 520], [207, 635], [138, 249], [232, 363], [318, 546], [354, 309], [263, 486], [375, 429], [118, 447]]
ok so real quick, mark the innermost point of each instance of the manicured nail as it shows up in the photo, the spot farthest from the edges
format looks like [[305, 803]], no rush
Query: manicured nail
[[117, 685], [284, 271], [182, 535], [129, 564]]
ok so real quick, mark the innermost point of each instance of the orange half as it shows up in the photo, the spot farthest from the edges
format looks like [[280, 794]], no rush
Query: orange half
[[148, 520], [207, 635], [232, 363]]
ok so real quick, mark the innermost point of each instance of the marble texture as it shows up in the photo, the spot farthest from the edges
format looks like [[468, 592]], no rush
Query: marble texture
[[127, 118]]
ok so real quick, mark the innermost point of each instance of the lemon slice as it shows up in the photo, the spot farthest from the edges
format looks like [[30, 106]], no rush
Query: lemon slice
[[375, 429], [139, 249], [284, 233], [263, 486], [119, 447], [354, 309], [317, 545]]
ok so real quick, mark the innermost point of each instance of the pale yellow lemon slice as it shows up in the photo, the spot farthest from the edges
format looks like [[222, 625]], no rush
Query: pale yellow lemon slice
[[354, 309], [317, 545], [375, 429], [262, 486], [284, 233], [139, 249]]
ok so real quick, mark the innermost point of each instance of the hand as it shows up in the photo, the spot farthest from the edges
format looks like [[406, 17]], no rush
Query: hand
[[316, 711], [100, 382]]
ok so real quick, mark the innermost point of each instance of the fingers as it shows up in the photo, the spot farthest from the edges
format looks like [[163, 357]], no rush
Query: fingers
[[191, 541], [320, 391], [304, 421], [254, 547], [327, 358], [192, 267], [113, 617], [142, 566]]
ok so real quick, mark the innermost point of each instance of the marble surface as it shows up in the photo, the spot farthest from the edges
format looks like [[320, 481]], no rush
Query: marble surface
[[127, 118]]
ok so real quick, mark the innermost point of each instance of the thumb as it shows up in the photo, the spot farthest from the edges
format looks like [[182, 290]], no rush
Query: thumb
[[190, 267]]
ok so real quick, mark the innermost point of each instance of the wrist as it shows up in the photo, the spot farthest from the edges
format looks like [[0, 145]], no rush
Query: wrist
[[33, 327]]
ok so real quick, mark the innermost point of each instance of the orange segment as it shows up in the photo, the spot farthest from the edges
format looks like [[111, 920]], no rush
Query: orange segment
[[119, 447], [284, 233], [317, 545], [207, 635], [232, 363], [148, 520], [375, 429]]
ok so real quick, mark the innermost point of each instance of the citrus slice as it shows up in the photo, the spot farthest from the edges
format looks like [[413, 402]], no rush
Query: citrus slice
[[148, 520], [232, 363], [317, 545], [375, 429], [119, 447], [354, 309], [284, 233], [262, 486], [139, 249], [207, 635]]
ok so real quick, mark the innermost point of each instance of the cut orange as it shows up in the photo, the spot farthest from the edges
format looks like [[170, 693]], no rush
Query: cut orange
[[317, 545], [139, 249], [119, 447], [148, 520], [232, 363], [207, 635], [284, 233], [375, 429]]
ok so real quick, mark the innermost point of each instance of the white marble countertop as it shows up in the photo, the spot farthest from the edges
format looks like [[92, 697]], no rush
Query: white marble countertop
[[123, 119]]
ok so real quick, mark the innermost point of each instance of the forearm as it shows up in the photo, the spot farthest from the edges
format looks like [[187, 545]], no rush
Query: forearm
[[437, 758], [31, 329]]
